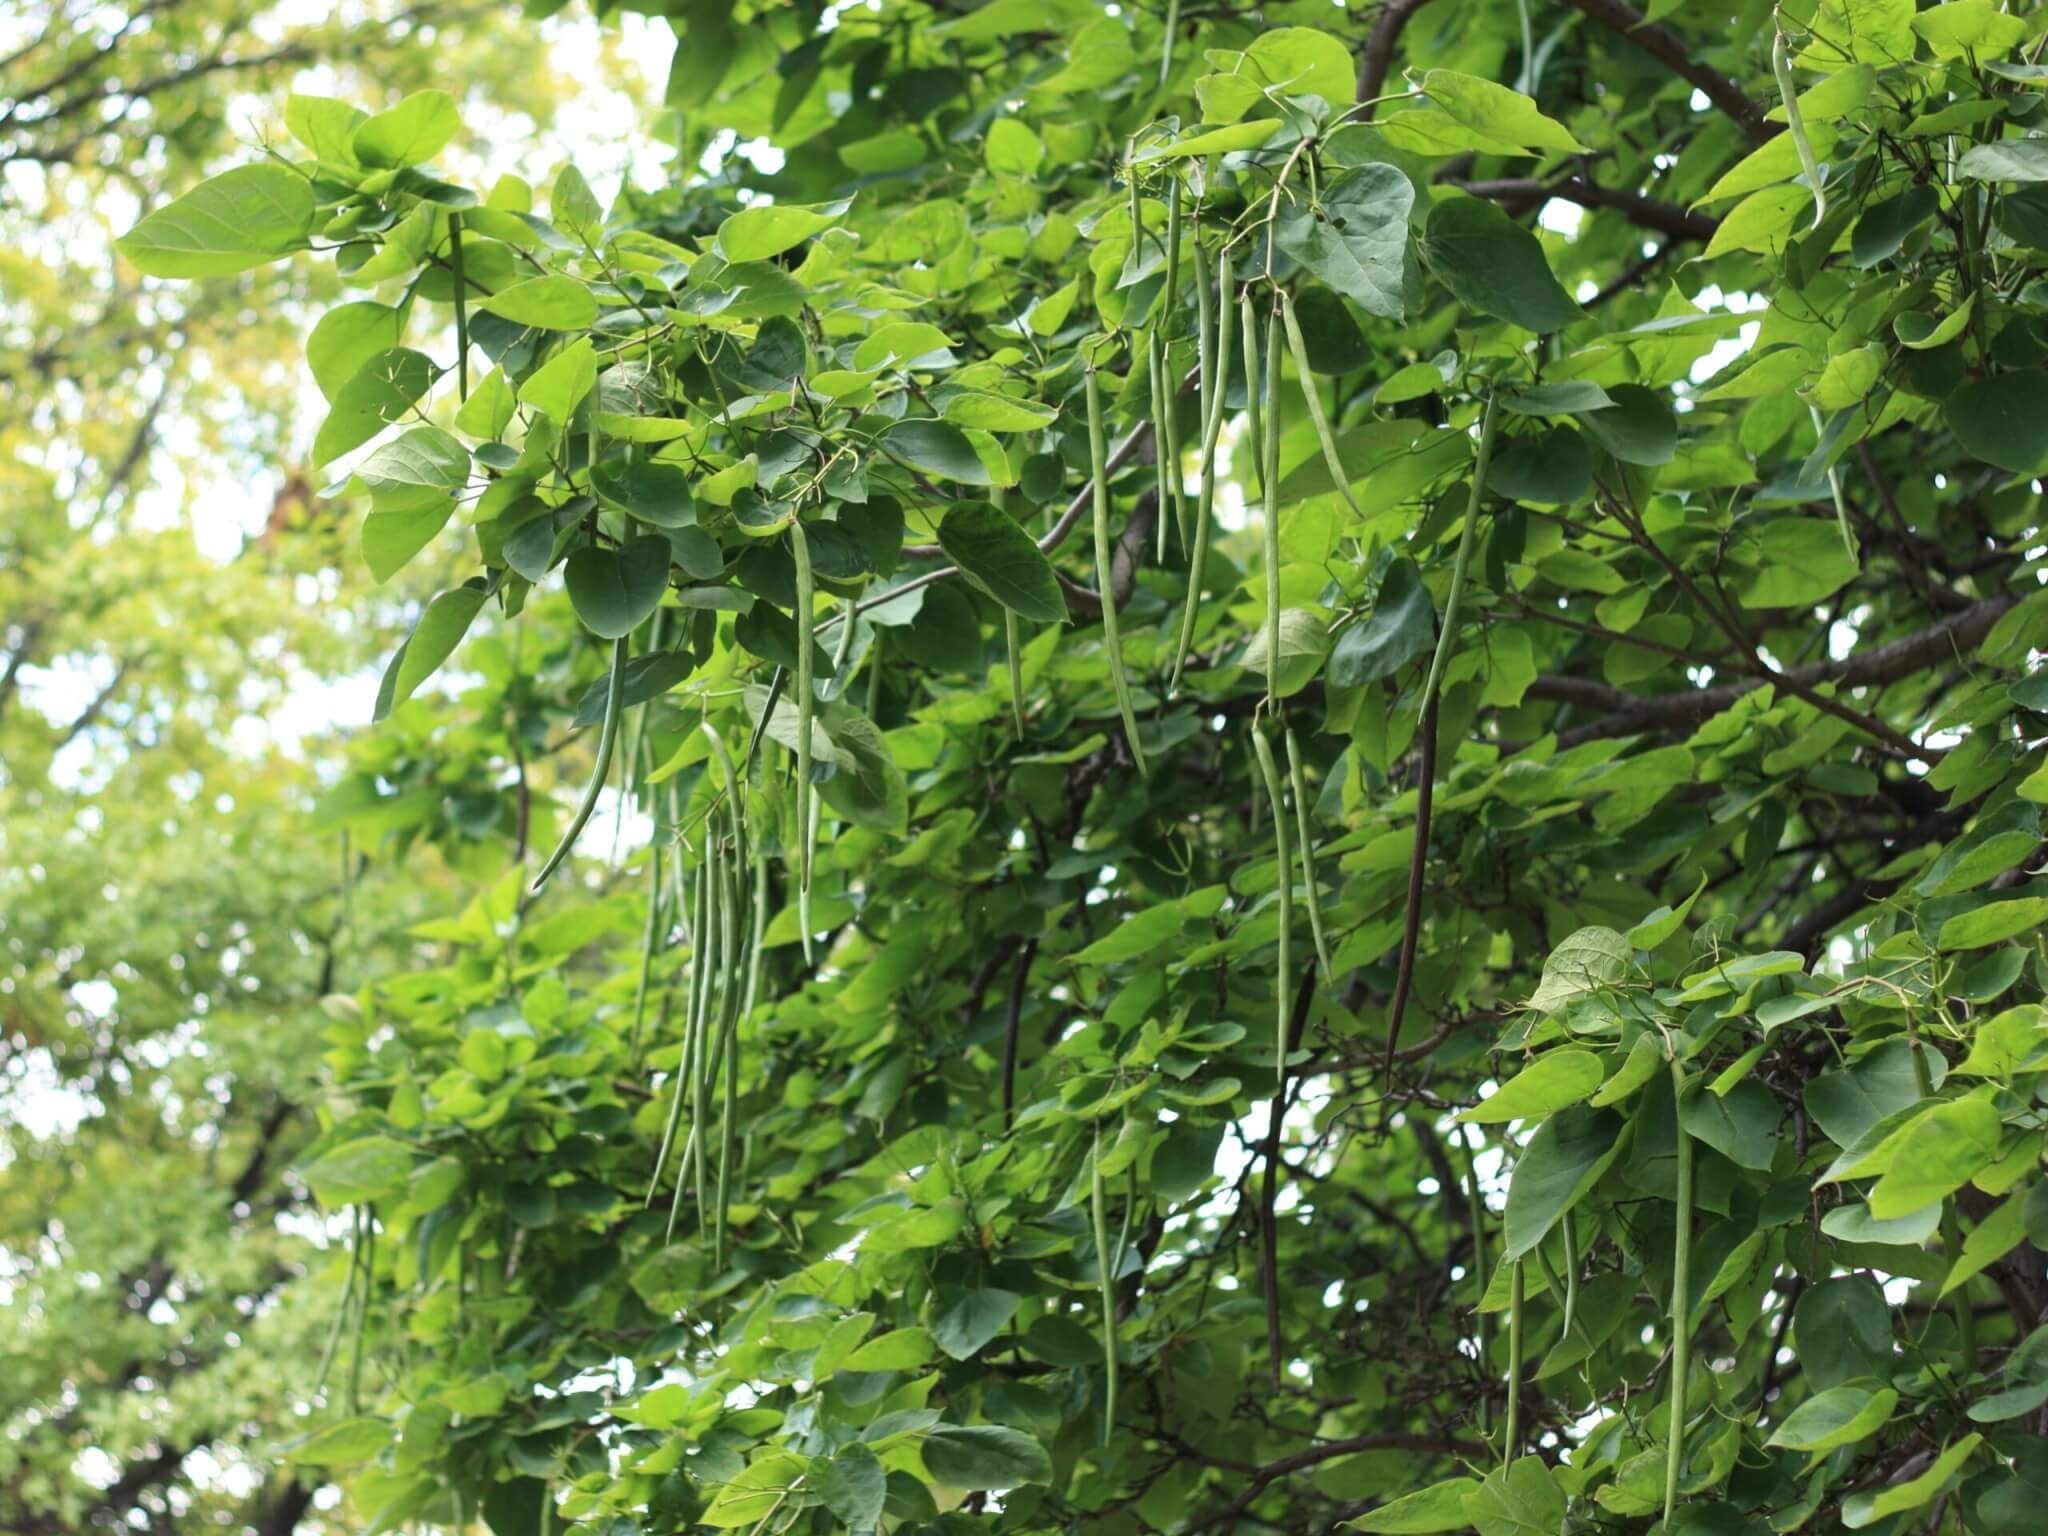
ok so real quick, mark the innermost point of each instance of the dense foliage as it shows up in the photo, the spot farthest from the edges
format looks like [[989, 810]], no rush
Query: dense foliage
[[1477, 966]]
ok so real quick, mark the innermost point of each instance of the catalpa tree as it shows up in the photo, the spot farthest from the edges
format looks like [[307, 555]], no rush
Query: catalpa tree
[[1342, 726]]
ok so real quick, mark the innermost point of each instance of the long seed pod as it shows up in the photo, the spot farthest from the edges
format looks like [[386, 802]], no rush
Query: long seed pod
[[461, 306], [1205, 328], [1475, 1210], [1105, 577], [1820, 432], [607, 741], [776, 684], [1166, 47], [1514, 1426], [695, 1065], [1169, 451], [1298, 345], [693, 921], [1447, 640], [1155, 368], [1571, 1271], [1298, 782], [367, 1230], [1097, 1201], [1795, 123], [730, 964], [1284, 860], [1254, 416], [1013, 663], [1171, 297], [806, 707], [1269, 474], [1681, 1304], [1218, 363], [648, 941]]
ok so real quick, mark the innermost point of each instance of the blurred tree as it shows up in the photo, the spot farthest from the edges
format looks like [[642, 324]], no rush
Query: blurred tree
[[169, 919]]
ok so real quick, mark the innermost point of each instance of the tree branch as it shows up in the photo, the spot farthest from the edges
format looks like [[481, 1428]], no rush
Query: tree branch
[[1682, 59], [1377, 61], [1651, 213], [1630, 714]]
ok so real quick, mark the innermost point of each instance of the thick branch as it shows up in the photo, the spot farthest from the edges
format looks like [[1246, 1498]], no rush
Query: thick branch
[[1680, 57], [1629, 713], [1377, 61], [1651, 213]]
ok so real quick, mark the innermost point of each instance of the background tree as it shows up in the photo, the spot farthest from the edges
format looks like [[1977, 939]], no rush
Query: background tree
[[1477, 966], [169, 916]]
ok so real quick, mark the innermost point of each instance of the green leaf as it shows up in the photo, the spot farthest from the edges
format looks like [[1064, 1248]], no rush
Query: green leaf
[[433, 640], [1550, 1082], [1400, 627], [996, 413], [1637, 427], [1993, 923], [384, 388], [2026, 1383], [1936, 1156], [1861, 1509], [325, 126], [757, 1492], [2022, 160], [1838, 1416], [1304, 61], [769, 229], [391, 538], [1798, 562], [1846, 1102], [1439, 1507], [546, 304], [1842, 1331], [1988, 1242], [414, 131], [1139, 934], [613, 590], [870, 790], [974, 1318], [1000, 558], [1568, 397], [1012, 149], [1503, 116], [1563, 1160], [418, 456], [1584, 962], [853, 1487], [348, 336], [1521, 1499], [1304, 641], [239, 219], [359, 1171], [984, 1456], [938, 448], [2003, 418], [903, 1349], [1357, 239], [1492, 264], [559, 385], [1665, 921], [1216, 141], [347, 1444], [1741, 1124]]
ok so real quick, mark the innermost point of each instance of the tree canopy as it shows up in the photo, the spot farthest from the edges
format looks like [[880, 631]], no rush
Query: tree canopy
[[1192, 769]]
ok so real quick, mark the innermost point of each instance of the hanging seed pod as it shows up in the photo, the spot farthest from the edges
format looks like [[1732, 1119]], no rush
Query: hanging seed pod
[[1104, 571], [607, 742]]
